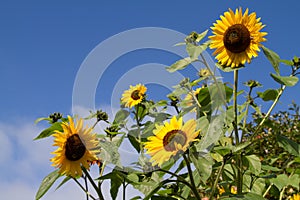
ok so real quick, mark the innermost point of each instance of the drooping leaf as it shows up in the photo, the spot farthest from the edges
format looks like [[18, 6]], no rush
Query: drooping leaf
[[49, 131], [285, 80], [180, 64], [289, 145], [47, 183], [273, 58], [268, 95]]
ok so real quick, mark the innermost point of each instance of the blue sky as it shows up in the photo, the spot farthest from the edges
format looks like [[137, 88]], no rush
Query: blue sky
[[44, 43]]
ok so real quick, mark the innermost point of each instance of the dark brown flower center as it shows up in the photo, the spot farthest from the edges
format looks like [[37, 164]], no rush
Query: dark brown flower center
[[75, 149], [237, 38], [172, 137], [135, 95]]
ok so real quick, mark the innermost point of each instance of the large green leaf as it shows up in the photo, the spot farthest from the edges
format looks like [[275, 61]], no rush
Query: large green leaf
[[66, 179], [47, 183], [203, 164], [280, 181], [110, 153], [49, 131], [195, 50], [268, 95], [273, 58], [254, 164], [121, 116], [289, 145], [180, 64], [214, 132], [285, 80]]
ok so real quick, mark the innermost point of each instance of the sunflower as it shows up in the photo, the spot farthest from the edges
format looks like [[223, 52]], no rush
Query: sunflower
[[295, 197], [169, 139], [134, 95], [76, 148], [237, 38], [189, 97]]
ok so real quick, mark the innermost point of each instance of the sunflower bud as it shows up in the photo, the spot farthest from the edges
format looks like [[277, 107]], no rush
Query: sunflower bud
[[101, 116], [55, 117]]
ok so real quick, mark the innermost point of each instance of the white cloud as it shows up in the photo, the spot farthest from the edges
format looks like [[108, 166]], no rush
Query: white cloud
[[24, 163]]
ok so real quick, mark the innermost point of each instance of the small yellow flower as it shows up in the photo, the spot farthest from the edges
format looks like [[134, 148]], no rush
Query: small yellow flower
[[204, 72], [295, 197], [221, 190], [233, 190], [237, 38], [76, 148], [169, 139], [134, 95]]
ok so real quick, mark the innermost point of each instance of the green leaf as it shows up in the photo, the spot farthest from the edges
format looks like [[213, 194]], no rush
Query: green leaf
[[121, 116], [241, 146], [294, 181], [214, 132], [203, 164], [248, 196], [227, 68], [132, 136], [287, 62], [115, 183], [254, 164], [110, 153], [273, 58], [280, 181], [42, 119], [179, 65], [268, 95], [289, 145], [195, 50], [47, 183], [49, 131], [285, 80]]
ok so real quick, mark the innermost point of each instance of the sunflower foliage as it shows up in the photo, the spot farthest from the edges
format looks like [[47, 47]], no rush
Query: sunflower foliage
[[206, 140]]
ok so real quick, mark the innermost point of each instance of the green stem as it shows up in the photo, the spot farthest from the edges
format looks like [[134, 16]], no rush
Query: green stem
[[86, 187], [216, 179], [282, 193], [87, 192], [124, 190], [194, 188], [247, 112], [268, 189], [269, 111], [239, 180], [93, 183], [139, 128]]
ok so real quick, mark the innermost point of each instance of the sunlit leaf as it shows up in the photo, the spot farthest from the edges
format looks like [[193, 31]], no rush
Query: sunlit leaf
[[268, 95], [49, 131], [254, 164], [121, 116], [272, 57], [289, 145], [285, 80], [180, 64], [47, 182]]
